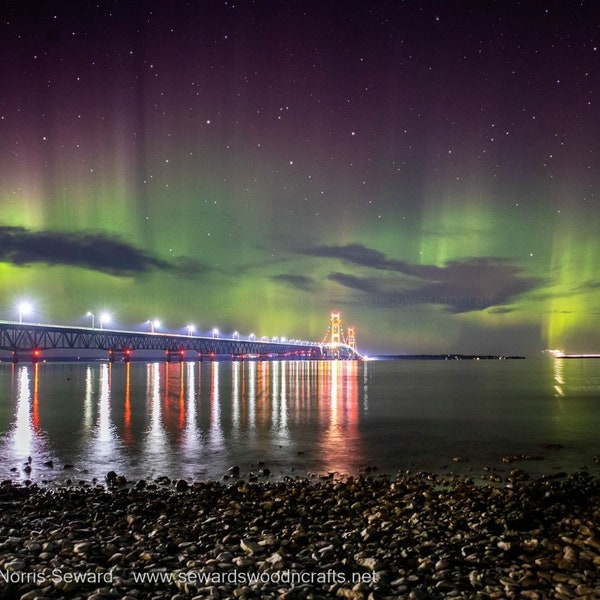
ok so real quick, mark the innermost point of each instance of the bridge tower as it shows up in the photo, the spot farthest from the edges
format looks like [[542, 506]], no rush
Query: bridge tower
[[351, 341], [334, 333], [335, 325]]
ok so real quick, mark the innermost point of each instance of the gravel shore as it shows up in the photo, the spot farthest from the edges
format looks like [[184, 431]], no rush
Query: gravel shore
[[357, 537]]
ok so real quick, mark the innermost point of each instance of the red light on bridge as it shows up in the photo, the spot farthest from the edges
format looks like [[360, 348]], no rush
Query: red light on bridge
[[127, 351], [36, 352]]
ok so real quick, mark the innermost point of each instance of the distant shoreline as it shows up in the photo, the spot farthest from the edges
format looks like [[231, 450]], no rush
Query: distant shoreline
[[445, 357]]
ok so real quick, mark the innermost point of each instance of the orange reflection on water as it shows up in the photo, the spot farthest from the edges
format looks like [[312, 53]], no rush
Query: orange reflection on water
[[263, 395], [340, 443], [181, 395], [127, 433], [36, 396]]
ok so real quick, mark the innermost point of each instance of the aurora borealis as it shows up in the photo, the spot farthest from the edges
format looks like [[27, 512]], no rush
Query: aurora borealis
[[429, 169]]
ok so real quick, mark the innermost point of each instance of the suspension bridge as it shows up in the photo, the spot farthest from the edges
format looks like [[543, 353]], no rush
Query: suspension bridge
[[36, 342]]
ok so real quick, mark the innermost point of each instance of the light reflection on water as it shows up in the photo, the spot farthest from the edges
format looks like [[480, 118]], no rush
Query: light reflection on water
[[195, 420]]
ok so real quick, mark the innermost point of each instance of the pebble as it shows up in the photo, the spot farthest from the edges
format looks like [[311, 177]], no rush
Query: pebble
[[251, 547], [413, 537]]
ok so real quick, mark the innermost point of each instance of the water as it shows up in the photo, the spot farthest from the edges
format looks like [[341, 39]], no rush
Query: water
[[194, 420]]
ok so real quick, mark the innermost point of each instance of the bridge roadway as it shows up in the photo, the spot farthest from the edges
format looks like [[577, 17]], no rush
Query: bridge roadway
[[27, 341]]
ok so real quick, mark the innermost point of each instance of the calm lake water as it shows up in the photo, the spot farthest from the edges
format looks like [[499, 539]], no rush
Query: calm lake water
[[195, 420]]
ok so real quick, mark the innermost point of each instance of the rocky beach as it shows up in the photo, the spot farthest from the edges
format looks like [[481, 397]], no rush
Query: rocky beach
[[364, 537]]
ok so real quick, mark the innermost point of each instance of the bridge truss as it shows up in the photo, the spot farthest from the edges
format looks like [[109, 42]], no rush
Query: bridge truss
[[28, 340]]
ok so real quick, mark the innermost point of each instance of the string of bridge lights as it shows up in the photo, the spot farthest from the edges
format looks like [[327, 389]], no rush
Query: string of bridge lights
[[25, 309]]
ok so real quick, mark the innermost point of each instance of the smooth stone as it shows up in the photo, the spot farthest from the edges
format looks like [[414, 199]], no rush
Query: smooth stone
[[251, 547], [82, 547], [15, 565]]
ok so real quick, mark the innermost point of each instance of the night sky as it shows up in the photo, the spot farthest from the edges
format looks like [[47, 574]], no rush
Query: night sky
[[428, 169]]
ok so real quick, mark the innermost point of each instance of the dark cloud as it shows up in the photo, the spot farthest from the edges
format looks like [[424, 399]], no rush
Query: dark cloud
[[94, 251], [184, 265], [298, 281], [358, 254], [363, 284], [500, 310], [461, 285], [353, 253], [588, 286], [557, 292]]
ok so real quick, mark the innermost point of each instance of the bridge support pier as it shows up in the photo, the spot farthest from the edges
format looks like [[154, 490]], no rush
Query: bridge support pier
[[124, 355], [34, 356]]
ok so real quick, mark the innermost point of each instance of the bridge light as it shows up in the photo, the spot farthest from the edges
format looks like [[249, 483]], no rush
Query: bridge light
[[191, 329], [236, 335], [24, 309], [104, 318], [154, 325], [215, 333]]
